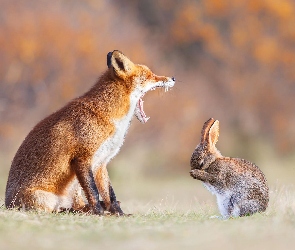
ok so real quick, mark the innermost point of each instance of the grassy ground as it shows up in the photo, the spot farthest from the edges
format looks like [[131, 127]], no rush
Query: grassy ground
[[169, 212], [161, 223]]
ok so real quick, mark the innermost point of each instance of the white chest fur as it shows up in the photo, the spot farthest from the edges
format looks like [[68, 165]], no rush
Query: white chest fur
[[112, 145], [223, 199]]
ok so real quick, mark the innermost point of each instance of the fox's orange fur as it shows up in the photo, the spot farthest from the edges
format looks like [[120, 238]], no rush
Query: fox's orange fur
[[68, 151]]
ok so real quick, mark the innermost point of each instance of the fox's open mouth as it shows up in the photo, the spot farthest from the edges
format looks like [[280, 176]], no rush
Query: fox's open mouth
[[139, 112]]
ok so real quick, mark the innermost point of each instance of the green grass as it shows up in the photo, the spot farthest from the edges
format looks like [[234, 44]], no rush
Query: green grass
[[158, 224], [169, 212]]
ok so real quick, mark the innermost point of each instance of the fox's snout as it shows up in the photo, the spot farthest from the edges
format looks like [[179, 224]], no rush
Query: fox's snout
[[169, 82]]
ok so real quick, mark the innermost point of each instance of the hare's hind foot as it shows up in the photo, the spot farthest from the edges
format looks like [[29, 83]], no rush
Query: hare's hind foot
[[249, 207], [217, 217]]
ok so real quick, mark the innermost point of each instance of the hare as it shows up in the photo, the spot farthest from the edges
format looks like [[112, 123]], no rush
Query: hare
[[239, 185]]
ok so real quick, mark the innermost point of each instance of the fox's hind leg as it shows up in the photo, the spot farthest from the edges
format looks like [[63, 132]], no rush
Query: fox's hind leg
[[79, 204], [39, 200], [106, 191]]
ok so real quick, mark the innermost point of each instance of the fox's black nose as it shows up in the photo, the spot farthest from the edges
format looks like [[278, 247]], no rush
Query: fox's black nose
[[173, 78]]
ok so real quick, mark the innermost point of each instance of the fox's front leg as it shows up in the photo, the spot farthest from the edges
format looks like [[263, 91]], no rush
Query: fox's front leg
[[82, 169], [202, 176], [106, 191]]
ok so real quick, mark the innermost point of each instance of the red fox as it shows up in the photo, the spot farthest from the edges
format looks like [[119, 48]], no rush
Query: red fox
[[68, 151]]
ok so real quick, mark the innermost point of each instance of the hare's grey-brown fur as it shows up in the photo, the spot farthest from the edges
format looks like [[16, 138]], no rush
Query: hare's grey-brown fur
[[239, 185]]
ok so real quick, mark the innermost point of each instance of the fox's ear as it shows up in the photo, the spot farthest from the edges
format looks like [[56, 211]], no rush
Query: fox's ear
[[109, 57], [214, 133], [205, 130], [120, 63]]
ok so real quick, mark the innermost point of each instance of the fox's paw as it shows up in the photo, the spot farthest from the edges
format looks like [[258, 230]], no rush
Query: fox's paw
[[115, 208], [97, 210]]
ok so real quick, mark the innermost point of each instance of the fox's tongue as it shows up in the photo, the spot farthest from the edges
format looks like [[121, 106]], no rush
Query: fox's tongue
[[140, 112]]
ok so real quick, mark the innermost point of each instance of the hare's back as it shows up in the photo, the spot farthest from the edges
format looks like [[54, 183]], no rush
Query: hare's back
[[240, 168]]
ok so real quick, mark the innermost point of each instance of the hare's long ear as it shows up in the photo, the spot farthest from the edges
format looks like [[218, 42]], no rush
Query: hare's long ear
[[213, 133], [205, 130], [121, 64]]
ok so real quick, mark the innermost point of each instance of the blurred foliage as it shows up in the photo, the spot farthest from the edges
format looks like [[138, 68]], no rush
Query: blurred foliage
[[245, 47], [53, 51], [233, 60]]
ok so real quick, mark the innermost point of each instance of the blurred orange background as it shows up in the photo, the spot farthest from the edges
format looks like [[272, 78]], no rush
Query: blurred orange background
[[232, 60]]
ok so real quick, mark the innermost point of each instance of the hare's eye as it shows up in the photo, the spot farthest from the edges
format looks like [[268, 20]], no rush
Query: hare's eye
[[201, 163]]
